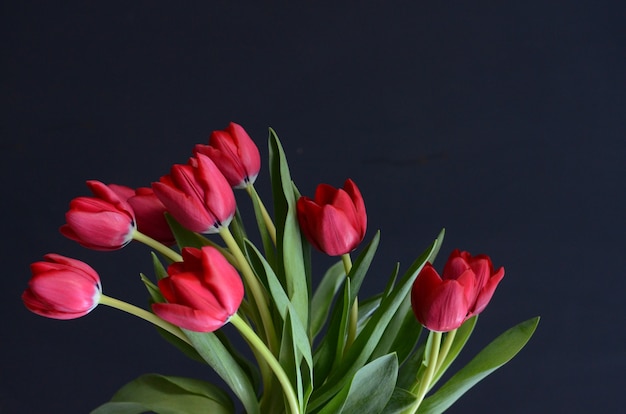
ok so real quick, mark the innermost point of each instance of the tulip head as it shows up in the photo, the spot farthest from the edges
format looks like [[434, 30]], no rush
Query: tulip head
[[62, 288], [103, 222], [234, 153], [334, 221], [149, 212], [443, 303], [197, 195], [202, 292]]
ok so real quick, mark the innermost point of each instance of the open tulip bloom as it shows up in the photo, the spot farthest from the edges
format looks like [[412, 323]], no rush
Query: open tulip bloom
[[319, 346]]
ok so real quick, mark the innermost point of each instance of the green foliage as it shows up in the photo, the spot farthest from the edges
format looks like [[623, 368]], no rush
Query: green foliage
[[328, 373], [167, 395]]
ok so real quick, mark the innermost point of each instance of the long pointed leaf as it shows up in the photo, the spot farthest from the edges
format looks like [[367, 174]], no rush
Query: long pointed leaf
[[496, 354]]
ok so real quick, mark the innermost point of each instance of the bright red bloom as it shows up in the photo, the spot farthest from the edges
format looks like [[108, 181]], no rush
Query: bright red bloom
[[197, 195], [103, 222], [202, 291], [234, 153], [149, 212], [62, 288], [444, 303], [335, 221]]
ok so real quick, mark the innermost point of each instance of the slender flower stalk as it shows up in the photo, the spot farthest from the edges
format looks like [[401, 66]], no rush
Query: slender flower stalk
[[158, 246], [259, 294], [269, 224], [443, 352], [256, 342], [145, 315], [431, 353], [354, 310]]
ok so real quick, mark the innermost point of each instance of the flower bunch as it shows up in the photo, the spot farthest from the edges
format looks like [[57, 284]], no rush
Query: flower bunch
[[319, 346]]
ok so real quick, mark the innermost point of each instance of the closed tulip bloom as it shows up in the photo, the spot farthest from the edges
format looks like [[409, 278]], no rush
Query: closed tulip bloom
[[202, 291], [103, 222], [149, 212], [62, 288], [334, 221], [443, 303], [197, 195], [234, 153]]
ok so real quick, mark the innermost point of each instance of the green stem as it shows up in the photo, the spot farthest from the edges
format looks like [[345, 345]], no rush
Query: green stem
[[443, 353], [256, 342], [256, 289], [143, 314], [269, 224], [158, 246], [354, 310], [432, 353]]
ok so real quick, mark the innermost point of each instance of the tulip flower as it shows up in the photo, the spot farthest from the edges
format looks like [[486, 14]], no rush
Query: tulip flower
[[234, 153], [443, 303], [103, 222], [62, 288], [202, 292], [334, 221], [197, 195], [149, 212]]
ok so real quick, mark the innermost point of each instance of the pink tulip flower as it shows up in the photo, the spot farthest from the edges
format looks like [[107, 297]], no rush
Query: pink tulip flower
[[443, 303], [202, 291], [197, 195], [234, 153], [62, 288], [103, 222], [149, 212], [334, 221]]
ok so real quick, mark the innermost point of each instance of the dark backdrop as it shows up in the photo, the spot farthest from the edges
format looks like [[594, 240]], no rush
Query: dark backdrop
[[503, 122]]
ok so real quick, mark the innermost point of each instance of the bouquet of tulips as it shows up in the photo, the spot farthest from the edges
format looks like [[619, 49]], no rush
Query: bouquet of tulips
[[316, 345]]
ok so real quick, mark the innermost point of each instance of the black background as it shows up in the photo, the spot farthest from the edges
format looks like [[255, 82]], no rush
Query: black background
[[501, 121]]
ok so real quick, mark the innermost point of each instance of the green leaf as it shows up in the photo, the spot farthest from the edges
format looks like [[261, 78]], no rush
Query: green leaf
[[361, 350], [401, 334], [292, 250], [369, 391], [167, 395], [324, 295], [493, 356], [400, 400], [361, 266], [217, 355], [283, 305]]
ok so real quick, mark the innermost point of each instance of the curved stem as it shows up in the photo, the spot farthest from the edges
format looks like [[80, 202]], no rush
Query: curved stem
[[256, 342], [269, 224], [432, 353], [256, 289], [354, 310], [145, 315], [158, 246], [443, 352]]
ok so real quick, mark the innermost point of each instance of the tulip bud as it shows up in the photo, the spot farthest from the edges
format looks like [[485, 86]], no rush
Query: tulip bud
[[62, 288], [149, 212], [335, 221], [443, 303], [197, 195], [202, 291], [234, 153], [103, 222]]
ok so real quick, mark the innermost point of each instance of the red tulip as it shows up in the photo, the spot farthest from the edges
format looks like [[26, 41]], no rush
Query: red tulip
[[197, 195], [202, 291], [103, 222], [234, 153], [444, 303], [335, 221], [149, 212], [62, 288]]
